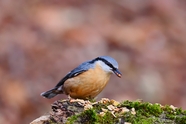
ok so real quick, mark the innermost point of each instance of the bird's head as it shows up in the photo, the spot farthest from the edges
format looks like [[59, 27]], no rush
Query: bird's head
[[108, 64]]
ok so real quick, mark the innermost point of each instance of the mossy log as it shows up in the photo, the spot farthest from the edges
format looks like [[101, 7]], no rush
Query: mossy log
[[108, 111]]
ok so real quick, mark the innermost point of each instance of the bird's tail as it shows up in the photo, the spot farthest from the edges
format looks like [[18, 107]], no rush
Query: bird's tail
[[51, 93]]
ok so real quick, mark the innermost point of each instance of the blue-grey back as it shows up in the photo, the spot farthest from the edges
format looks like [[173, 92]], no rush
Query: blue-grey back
[[78, 70], [83, 67]]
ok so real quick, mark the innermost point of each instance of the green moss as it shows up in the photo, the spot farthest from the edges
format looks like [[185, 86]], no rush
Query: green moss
[[143, 109], [108, 118], [144, 121], [98, 107], [181, 120], [89, 116], [86, 117], [177, 115], [153, 113], [138, 113], [72, 119]]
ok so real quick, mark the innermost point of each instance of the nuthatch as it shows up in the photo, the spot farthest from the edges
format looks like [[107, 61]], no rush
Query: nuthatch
[[87, 80]]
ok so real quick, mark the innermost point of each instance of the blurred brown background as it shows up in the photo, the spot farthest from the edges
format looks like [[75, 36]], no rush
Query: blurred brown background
[[42, 40]]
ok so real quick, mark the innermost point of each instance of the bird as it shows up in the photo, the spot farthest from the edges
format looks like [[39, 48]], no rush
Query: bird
[[87, 80]]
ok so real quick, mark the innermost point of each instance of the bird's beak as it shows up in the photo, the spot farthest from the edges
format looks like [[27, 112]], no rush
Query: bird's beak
[[117, 72]]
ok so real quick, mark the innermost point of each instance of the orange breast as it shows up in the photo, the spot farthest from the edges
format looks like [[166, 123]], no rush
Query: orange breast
[[88, 84]]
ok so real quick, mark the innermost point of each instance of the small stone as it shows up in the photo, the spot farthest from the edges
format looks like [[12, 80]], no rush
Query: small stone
[[117, 109], [124, 110], [88, 106], [77, 100], [104, 100], [133, 111], [102, 113], [112, 112], [127, 123], [94, 103], [104, 110], [110, 107], [115, 103], [172, 107]]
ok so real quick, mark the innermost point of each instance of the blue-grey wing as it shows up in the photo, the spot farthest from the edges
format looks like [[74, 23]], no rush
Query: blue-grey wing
[[79, 70]]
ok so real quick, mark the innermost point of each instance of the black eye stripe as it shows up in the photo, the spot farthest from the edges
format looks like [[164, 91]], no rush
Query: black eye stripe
[[105, 61]]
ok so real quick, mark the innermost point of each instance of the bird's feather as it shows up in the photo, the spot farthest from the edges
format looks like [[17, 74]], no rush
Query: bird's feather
[[75, 72]]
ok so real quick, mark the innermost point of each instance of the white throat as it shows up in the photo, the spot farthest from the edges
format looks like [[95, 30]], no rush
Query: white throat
[[104, 66]]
